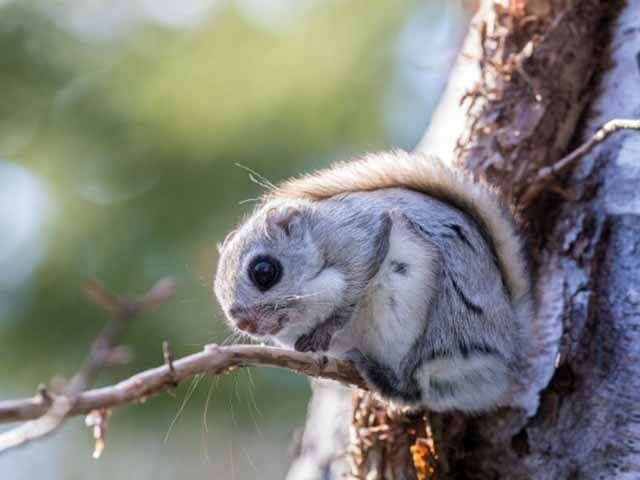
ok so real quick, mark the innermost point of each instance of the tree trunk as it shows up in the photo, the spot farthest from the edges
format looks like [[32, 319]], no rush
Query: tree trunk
[[537, 77]]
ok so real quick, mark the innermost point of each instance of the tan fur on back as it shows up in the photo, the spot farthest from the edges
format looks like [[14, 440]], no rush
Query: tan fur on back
[[431, 176]]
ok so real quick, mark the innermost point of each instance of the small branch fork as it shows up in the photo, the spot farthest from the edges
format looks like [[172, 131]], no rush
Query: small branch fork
[[547, 175], [47, 410]]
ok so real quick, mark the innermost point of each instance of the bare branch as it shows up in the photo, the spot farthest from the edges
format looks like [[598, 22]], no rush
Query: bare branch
[[547, 174], [213, 359], [46, 411], [53, 409]]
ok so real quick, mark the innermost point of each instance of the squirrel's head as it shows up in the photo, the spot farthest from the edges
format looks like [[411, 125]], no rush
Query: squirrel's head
[[273, 279]]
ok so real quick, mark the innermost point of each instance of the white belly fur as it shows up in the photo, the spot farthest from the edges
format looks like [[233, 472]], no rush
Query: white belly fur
[[393, 311]]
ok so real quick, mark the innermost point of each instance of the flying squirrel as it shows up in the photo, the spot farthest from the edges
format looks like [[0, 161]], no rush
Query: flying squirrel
[[403, 265]]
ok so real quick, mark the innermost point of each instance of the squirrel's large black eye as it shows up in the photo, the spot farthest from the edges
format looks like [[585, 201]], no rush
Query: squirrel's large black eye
[[265, 272]]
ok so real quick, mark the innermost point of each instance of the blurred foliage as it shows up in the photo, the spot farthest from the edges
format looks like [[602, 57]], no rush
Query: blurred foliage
[[136, 138]]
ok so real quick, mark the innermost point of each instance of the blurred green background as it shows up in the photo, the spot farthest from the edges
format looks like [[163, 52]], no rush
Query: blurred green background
[[120, 126]]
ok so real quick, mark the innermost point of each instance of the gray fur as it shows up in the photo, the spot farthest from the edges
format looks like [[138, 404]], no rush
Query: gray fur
[[466, 347]]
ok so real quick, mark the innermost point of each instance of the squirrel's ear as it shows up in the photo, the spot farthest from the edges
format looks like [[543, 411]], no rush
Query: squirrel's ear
[[285, 220]]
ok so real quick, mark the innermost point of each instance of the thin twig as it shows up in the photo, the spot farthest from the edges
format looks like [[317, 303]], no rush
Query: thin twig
[[168, 361], [54, 408], [547, 174], [213, 359]]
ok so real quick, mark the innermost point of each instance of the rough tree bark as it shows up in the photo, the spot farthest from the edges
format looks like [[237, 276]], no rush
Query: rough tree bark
[[536, 77]]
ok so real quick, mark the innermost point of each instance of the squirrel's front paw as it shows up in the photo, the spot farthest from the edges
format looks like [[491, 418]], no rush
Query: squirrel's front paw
[[316, 341], [304, 343]]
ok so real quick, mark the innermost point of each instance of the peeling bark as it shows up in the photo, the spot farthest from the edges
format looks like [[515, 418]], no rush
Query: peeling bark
[[535, 70]]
